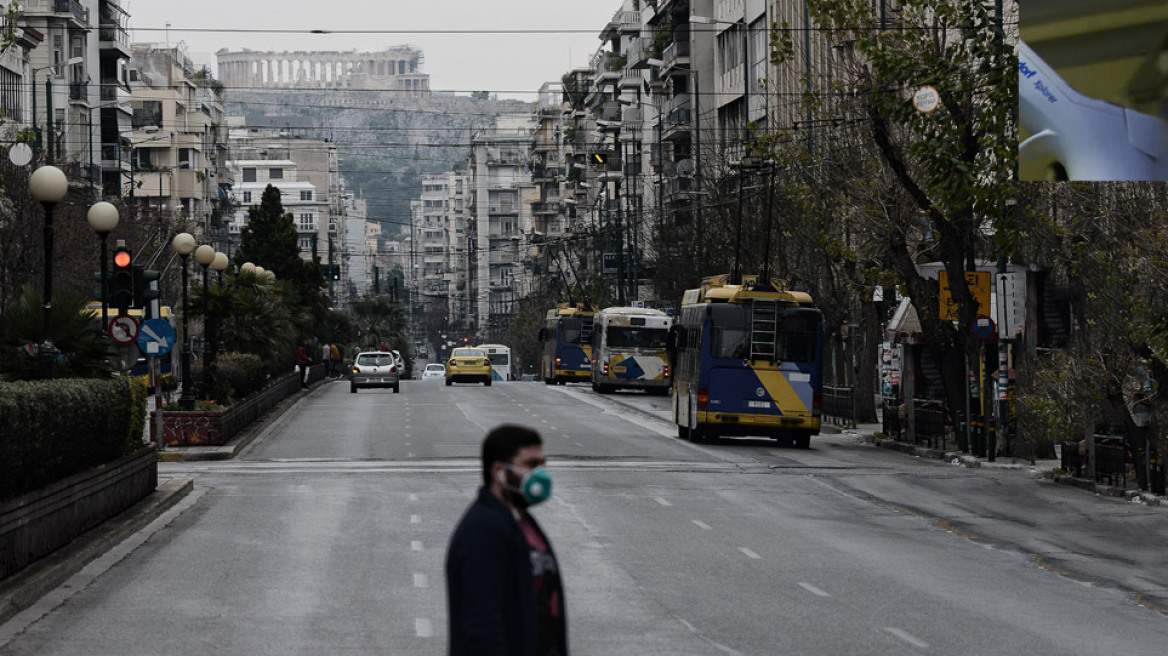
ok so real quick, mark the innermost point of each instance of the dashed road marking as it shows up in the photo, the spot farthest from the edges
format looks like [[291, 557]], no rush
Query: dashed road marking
[[907, 637], [416, 545], [702, 525], [415, 519], [662, 501], [423, 628], [413, 497], [421, 581], [813, 590], [749, 553]]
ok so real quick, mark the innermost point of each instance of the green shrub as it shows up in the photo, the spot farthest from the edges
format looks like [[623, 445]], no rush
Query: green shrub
[[237, 375], [138, 395], [50, 430]]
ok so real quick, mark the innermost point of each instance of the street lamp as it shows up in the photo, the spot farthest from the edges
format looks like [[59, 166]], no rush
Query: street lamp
[[219, 264], [247, 267], [48, 185], [48, 99], [205, 255], [184, 244], [103, 218]]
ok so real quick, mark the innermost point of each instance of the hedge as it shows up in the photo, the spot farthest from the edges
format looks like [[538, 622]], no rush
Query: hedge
[[53, 429]]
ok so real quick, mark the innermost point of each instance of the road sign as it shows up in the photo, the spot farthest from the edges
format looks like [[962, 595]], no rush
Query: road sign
[[926, 100], [156, 338], [983, 329], [123, 329], [979, 285]]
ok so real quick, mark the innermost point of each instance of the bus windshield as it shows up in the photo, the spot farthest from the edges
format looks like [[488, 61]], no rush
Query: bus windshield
[[649, 338]]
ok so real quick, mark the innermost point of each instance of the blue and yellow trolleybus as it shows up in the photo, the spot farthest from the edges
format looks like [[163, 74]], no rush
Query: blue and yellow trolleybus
[[567, 344], [749, 361]]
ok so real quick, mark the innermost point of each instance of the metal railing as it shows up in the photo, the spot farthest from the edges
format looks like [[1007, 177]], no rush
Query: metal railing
[[76, 8], [839, 406]]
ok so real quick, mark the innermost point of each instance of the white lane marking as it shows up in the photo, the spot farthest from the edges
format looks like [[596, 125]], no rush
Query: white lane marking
[[413, 497], [907, 637], [421, 581], [415, 519], [423, 628], [408, 444], [662, 501], [416, 545], [749, 553], [543, 421], [702, 525], [578, 444], [813, 590], [409, 455]]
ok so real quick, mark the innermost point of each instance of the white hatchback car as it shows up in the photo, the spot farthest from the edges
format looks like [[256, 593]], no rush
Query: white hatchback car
[[434, 371], [374, 369]]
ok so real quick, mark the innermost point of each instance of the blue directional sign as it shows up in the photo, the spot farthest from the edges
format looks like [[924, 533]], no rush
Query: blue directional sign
[[156, 337]]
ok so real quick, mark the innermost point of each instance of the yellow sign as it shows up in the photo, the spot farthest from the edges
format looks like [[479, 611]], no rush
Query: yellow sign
[[979, 285]]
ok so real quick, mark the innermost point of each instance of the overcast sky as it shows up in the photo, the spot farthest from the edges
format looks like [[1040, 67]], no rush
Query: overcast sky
[[500, 63]]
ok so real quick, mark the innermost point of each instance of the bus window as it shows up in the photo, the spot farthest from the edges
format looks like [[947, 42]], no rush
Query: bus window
[[570, 331], [797, 337], [649, 338], [730, 332]]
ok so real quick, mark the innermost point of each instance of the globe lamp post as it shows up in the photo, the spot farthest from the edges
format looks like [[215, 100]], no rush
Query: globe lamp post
[[184, 244], [103, 219], [48, 185]]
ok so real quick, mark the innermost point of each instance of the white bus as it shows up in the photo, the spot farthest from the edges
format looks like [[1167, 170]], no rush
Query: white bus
[[500, 360], [628, 350]]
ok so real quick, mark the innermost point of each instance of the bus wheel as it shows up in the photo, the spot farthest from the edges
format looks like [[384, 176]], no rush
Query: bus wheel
[[802, 441], [595, 387], [604, 389], [549, 381]]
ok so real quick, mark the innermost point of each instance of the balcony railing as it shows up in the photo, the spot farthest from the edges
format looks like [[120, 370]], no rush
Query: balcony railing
[[78, 91], [116, 35], [72, 6]]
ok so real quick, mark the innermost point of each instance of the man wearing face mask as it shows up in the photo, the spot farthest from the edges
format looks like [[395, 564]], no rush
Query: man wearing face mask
[[503, 587]]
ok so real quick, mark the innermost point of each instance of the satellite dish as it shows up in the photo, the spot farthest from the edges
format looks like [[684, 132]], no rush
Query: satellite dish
[[20, 154]]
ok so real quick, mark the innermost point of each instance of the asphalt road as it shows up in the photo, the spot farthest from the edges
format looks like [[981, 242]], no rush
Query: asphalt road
[[328, 536]]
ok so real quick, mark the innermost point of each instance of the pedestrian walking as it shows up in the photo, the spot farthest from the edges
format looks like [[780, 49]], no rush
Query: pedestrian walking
[[302, 361], [334, 361], [504, 593]]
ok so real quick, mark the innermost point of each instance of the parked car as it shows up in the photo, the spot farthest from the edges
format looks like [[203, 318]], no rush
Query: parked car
[[435, 371], [468, 365], [375, 369]]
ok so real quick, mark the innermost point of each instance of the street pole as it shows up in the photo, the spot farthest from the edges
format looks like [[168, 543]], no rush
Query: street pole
[[48, 185], [49, 116], [105, 291], [187, 400]]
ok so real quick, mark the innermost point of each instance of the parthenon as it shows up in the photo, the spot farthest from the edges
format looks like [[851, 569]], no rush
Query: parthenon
[[398, 68]]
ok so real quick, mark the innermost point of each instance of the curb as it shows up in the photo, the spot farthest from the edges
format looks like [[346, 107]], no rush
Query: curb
[[27, 586], [921, 451], [245, 437], [1135, 496]]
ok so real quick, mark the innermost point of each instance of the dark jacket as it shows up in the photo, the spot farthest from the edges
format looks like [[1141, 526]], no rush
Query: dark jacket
[[490, 593]]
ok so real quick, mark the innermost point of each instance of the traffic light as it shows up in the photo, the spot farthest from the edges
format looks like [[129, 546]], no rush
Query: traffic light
[[336, 271], [143, 292], [600, 159], [122, 281], [97, 277]]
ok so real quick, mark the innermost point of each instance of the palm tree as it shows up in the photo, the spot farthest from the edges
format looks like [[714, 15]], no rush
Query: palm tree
[[83, 352]]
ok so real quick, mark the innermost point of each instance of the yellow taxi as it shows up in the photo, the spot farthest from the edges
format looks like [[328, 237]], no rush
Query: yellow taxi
[[468, 365]]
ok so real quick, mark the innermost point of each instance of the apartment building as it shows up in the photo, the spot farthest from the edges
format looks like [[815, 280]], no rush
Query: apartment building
[[439, 245], [499, 224], [178, 146], [75, 90], [307, 172]]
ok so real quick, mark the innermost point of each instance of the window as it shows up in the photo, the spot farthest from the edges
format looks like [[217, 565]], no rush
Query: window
[[797, 336], [306, 244], [729, 331], [275, 174], [249, 174], [650, 338], [305, 195], [247, 196], [307, 221]]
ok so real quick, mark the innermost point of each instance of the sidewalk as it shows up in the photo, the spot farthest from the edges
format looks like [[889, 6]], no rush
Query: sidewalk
[[1049, 470], [26, 587]]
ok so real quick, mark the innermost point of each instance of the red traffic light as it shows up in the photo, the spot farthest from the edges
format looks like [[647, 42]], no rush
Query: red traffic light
[[122, 259]]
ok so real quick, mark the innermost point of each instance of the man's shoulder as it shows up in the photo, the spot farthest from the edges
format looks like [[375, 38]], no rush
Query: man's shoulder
[[485, 516]]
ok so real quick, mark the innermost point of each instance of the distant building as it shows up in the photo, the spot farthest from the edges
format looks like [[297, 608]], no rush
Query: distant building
[[398, 68]]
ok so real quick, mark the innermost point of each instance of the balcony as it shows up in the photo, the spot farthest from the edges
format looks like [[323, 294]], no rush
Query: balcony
[[638, 53], [545, 208], [78, 91], [676, 54], [80, 13]]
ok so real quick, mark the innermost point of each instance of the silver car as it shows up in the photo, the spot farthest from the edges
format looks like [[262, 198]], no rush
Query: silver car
[[375, 369]]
